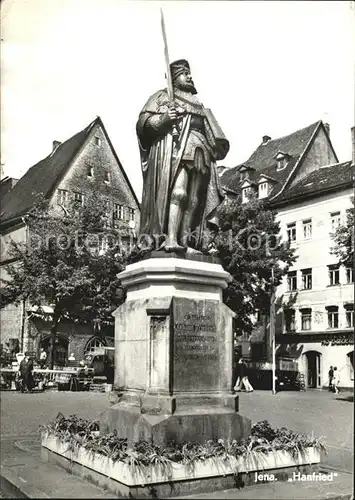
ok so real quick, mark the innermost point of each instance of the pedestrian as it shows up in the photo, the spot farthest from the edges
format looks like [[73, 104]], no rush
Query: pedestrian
[[242, 379], [237, 377], [72, 361], [42, 358], [330, 378], [336, 380], [26, 367]]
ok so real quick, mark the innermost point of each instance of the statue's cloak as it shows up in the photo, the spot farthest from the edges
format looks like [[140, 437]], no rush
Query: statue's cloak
[[161, 162]]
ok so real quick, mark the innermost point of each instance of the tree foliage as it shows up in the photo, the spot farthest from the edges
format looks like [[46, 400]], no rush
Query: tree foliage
[[62, 264], [252, 251], [343, 238]]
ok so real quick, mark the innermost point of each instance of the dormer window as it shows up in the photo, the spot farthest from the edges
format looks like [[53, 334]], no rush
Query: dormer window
[[263, 189], [281, 163], [107, 177], [97, 141], [265, 185], [282, 160], [248, 189], [246, 192], [245, 172]]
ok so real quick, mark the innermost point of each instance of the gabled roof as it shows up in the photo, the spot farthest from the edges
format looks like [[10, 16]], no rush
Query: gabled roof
[[327, 178], [263, 160], [293, 144], [45, 175]]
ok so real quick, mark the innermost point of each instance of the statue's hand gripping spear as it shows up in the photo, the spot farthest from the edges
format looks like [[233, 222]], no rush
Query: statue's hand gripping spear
[[170, 88]]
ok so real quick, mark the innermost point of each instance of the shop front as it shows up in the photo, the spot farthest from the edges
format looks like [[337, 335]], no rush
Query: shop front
[[315, 353]]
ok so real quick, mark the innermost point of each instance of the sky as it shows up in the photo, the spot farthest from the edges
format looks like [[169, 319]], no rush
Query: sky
[[264, 68]]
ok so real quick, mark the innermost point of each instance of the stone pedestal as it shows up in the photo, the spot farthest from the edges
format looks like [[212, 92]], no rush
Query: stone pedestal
[[174, 345]]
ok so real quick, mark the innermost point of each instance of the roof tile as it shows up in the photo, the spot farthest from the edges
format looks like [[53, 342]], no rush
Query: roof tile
[[264, 162], [324, 178]]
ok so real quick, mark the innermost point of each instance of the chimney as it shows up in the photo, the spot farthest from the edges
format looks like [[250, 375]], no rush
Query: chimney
[[266, 139], [327, 128], [353, 144], [55, 145]]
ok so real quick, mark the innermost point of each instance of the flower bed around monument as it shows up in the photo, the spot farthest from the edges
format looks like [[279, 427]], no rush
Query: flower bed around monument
[[79, 440]]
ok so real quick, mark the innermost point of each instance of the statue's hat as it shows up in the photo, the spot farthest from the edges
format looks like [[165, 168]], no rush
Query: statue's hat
[[178, 67]]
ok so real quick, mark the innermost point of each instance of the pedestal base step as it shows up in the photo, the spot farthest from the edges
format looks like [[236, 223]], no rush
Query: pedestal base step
[[185, 425]]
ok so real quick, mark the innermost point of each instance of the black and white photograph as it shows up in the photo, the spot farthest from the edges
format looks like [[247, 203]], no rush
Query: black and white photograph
[[177, 249]]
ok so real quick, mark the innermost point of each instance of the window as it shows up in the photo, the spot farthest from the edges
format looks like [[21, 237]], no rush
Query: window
[[333, 317], [118, 211], [245, 171], [107, 177], [90, 170], [97, 141], [333, 275], [282, 159], [306, 319], [292, 281], [259, 316], [131, 214], [281, 163], [290, 320], [349, 315], [103, 244], [307, 229], [263, 191], [335, 220], [246, 194], [62, 197], [349, 275], [291, 232], [306, 279], [107, 209], [78, 199], [93, 344]]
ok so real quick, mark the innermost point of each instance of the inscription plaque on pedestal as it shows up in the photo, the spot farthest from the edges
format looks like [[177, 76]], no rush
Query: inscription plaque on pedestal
[[196, 345]]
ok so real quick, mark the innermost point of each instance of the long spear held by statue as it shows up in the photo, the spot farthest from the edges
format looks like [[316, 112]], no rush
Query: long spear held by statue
[[170, 88]]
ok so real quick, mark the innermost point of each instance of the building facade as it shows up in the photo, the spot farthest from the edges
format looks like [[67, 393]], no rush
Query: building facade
[[300, 177], [316, 324], [83, 164]]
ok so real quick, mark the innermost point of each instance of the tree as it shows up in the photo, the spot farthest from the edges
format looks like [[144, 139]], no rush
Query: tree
[[63, 264], [251, 250], [343, 238]]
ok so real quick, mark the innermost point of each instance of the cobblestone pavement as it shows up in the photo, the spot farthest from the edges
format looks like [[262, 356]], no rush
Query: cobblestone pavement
[[320, 412]]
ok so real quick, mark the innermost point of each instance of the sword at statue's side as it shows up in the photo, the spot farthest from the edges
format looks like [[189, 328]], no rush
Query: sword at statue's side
[[175, 131]]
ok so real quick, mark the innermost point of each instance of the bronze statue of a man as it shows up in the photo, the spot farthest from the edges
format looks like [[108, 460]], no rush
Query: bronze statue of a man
[[181, 189]]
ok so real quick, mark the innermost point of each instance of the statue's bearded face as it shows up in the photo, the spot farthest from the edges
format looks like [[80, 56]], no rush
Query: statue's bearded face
[[185, 82]]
